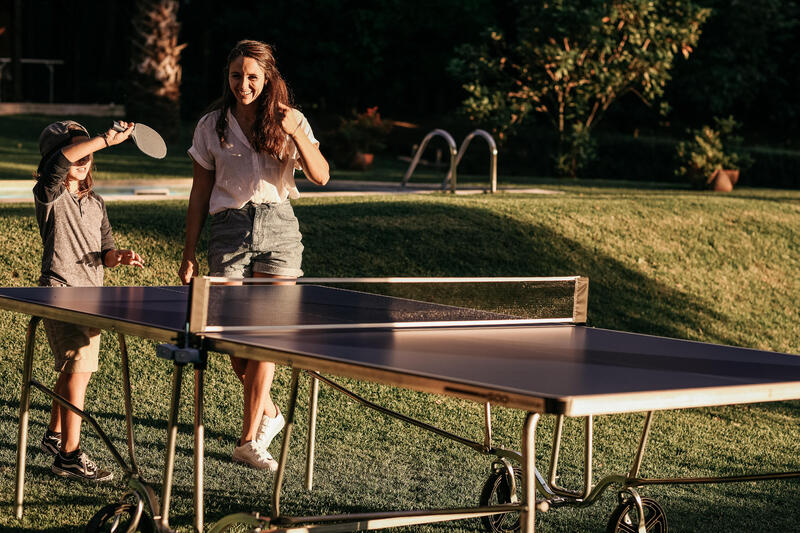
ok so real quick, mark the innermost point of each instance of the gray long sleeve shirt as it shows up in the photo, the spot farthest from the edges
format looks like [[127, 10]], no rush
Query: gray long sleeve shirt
[[75, 231]]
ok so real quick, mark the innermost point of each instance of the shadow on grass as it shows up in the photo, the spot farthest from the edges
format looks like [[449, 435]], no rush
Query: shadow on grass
[[148, 432], [438, 239]]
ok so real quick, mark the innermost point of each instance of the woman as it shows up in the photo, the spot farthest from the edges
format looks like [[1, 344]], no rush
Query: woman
[[244, 155]]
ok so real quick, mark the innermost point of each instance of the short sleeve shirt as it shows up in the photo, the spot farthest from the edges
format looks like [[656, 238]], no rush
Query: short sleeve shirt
[[75, 231], [241, 174]]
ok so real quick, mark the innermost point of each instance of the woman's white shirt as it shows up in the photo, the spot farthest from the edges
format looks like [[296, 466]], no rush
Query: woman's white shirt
[[242, 175]]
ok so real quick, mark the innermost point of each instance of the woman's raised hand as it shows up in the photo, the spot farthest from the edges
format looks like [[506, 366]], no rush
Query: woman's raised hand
[[290, 122]]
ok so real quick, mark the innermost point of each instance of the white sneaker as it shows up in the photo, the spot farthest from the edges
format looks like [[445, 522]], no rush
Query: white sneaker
[[268, 428], [253, 454]]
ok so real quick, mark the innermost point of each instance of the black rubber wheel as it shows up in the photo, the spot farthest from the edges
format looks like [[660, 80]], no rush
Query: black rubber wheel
[[497, 491], [103, 520], [625, 518]]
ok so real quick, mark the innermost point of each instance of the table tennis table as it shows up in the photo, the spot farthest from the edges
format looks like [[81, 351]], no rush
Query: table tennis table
[[543, 360]]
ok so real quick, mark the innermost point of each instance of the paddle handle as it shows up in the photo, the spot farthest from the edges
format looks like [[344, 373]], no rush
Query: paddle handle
[[117, 126]]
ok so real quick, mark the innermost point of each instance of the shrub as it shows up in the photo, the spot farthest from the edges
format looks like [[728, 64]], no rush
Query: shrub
[[708, 150]]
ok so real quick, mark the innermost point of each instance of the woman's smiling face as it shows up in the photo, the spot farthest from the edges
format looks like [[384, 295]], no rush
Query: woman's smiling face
[[246, 79]]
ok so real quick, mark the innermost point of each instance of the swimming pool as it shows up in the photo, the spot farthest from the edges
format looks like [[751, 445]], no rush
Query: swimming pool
[[20, 190]]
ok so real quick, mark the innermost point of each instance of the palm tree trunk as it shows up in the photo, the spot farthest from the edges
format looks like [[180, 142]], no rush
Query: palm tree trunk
[[155, 74]]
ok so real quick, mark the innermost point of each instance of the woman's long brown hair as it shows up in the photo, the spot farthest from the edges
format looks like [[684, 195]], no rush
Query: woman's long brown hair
[[267, 135]]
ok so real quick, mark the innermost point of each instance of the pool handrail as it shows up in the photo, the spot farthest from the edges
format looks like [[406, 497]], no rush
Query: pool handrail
[[451, 144], [455, 158], [492, 155]]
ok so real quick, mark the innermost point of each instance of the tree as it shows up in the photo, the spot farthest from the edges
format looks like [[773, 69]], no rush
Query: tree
[[746, 65], [155, 75], [570, 60]]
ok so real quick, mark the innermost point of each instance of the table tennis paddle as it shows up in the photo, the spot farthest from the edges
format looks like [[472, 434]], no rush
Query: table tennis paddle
[[146, 139]]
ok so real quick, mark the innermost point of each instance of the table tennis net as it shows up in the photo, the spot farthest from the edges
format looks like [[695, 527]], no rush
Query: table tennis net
[[359, 303]]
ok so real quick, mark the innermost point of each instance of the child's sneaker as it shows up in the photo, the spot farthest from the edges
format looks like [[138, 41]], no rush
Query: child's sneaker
[[51, 442], [253, 454], [77, 465], [268, 428]]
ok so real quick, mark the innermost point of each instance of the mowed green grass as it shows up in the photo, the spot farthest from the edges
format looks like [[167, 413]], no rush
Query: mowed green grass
[[716, 268]]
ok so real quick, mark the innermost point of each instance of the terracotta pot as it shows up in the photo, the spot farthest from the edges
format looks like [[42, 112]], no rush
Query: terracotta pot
[[724, 180], [362, 161]]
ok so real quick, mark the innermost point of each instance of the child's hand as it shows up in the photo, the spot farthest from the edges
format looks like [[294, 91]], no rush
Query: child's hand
[[113, 136], [123, 257]]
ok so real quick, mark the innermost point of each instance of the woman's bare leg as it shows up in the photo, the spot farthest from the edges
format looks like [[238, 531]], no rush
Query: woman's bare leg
[[256, 378]]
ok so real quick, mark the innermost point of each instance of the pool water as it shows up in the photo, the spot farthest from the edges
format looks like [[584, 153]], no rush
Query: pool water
[[21, 190]]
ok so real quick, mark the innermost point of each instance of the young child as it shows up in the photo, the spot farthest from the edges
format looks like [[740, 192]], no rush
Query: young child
[[78, 243]]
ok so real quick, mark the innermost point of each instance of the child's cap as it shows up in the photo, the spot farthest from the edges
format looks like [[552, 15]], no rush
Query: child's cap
[[59, 134]]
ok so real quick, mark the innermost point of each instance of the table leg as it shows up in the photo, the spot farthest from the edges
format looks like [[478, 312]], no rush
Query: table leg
[[287, 433], [126, 390], [528, 514], [24, 410], [199, 443], [172, 433], [312, 431]]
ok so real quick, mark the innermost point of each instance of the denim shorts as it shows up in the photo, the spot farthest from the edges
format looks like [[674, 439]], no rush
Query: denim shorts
[[262, 238]]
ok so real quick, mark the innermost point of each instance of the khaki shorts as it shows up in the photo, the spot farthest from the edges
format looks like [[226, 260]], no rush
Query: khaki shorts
[[76, 348]]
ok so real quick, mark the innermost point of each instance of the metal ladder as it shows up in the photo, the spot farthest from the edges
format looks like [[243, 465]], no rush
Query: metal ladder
[[455, 157]]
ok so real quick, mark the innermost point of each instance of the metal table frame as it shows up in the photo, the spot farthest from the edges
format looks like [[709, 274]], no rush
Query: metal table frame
[[192, 349], [138, 488]]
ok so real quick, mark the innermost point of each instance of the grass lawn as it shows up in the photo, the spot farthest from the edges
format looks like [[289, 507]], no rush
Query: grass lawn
[[716, 268]]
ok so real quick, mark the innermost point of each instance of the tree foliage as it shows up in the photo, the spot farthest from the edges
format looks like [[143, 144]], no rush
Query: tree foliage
[[747, 65], [155, 75], [570, 61], [341, 56]]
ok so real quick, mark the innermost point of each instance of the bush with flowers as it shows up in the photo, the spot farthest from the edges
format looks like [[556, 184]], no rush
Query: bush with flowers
[[365, 133]]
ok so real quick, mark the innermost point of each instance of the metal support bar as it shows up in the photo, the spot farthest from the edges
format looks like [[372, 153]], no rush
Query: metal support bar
[[587, 459], [24, 412], [199, 445], [172, 434], [51, 70], [287, 433], [554, 457], [527, 517], [91, 421], [48, 63], [126, 392], [587, 455], [638, 482], [394, 414], [312, 431], [373, 521], [637, 462], [487, 435]]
